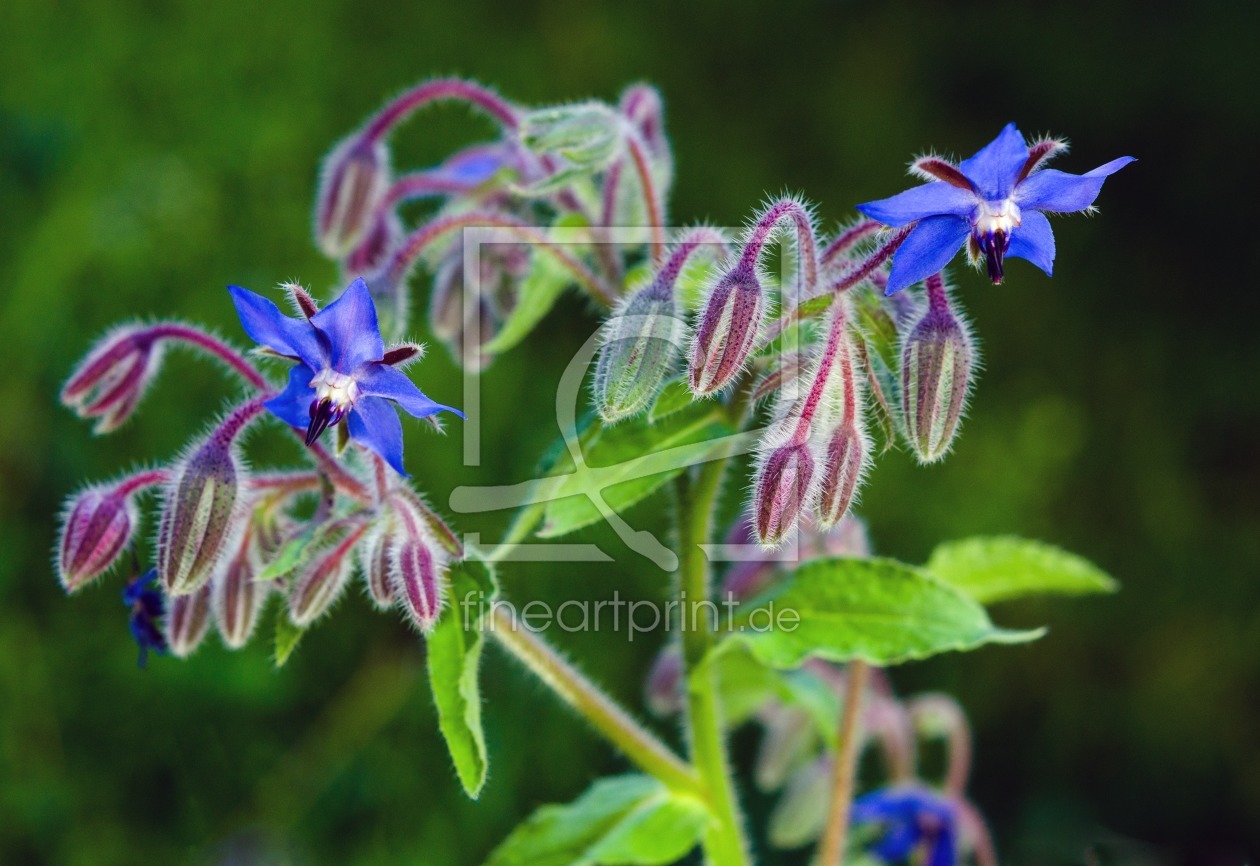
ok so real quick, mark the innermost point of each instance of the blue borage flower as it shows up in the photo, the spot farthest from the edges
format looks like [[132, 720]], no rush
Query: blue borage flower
[[913, 819], [997, 199], [148, 606], [344, 371]]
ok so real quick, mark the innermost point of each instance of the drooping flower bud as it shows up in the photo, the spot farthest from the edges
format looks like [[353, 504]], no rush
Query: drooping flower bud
[[936, 364], [462, 330], [237, 598], [378, 243], [322, 580], [96, 527], [200, 504], [112, 378], [374, 562], [188, 621], [353, 182], [845, 464], [663, 690], [790, 738], [801, 813], [641, 345], [418, 557], [782, 489], [586, 134], [728, 327]]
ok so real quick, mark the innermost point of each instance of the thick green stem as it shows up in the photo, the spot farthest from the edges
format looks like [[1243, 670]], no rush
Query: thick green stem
[[724, 844]]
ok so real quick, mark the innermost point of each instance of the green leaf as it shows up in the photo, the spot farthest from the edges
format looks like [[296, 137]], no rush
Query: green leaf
[[454, 655], [619, 821], [999, 568], [290, 556], [546, 281], [674, 397], [879, 610], [620, 465], [287, 634]]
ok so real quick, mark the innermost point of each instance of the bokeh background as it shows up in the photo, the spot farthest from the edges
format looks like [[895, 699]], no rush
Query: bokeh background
[[152, 152]]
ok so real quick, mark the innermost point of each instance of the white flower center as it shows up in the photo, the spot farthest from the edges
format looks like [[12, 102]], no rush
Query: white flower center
[[337, 388], [991, 217]]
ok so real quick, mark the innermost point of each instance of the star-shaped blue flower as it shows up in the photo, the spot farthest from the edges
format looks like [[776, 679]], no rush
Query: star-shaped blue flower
[[998, 199], [147, 609], [344, 371], [912, 819]]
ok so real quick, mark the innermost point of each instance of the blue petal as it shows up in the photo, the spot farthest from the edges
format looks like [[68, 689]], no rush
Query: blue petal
[[932, 243], [350, 325], [931, 199], [993, 170], [382, 380], [269, 327], [1034, 241], [1060, 192], [898, 842], [474, 165], [374, 424], [944, 848], [293, 404]]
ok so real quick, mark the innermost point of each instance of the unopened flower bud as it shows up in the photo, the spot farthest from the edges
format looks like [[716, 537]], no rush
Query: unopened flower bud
[[587, 134], [845, 463], [663, 690], [373, 250], [188, 621], [419, 577], [641, 344], [936, 366], [374, 553], [782, 488], [237, 599], [801, 813], [353, 183], [790, 738], [97, 525], [323, 579], [199, 506], [109, 382], [727, 329], [463, 330]]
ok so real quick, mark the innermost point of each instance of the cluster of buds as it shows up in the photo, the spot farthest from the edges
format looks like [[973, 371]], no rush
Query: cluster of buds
[[110, 381]]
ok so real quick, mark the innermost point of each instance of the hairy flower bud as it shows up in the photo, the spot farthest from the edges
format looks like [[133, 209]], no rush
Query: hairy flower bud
[[936, 365], [465, 329], [112, 378], [845, 464], [353, 182], [373, 250], [419, 577], [199, 506], [789, 739], [374, 562], [727, 329], [586, 134], [187, 621], [801, 813], [781, 489], [237, 599], [96, 527], [641, 344], [322, 580], [663, 691]]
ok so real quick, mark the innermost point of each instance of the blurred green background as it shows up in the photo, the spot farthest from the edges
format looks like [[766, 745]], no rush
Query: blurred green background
[[152, 152]]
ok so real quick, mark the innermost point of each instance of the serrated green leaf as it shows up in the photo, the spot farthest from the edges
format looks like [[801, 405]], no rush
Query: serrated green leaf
[[674, 397], [617, 464], [999, 568], [454, 657], [546, 281], [878, 610], [620, 821]]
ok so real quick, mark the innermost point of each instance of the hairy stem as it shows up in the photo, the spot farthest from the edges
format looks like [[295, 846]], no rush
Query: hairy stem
[[439, 90], [216, 347], [831, 849], [651, 195], [604, 715]]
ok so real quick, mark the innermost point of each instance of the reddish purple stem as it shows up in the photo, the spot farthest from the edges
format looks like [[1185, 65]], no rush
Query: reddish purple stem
[[436, 91]]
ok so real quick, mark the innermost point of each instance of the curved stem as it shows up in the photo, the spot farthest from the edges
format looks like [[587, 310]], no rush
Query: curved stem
[[604, 715], [438, 90], [844, 771], [425, 236], [213, 345], [651, 195], [141, 480], [806, 243], [844, 241]]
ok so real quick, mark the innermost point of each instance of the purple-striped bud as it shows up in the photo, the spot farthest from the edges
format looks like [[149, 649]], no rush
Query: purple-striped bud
[[187, 621], [846, 461], [112, 378], [198, 510], [936, 363], [663, 690], [727, 329], [96, 527], [373, 251], [782, 487], [641, 345], [237, 599], [374, 562], [322, 580], [353, 183], [463, 330], [419, 577]]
